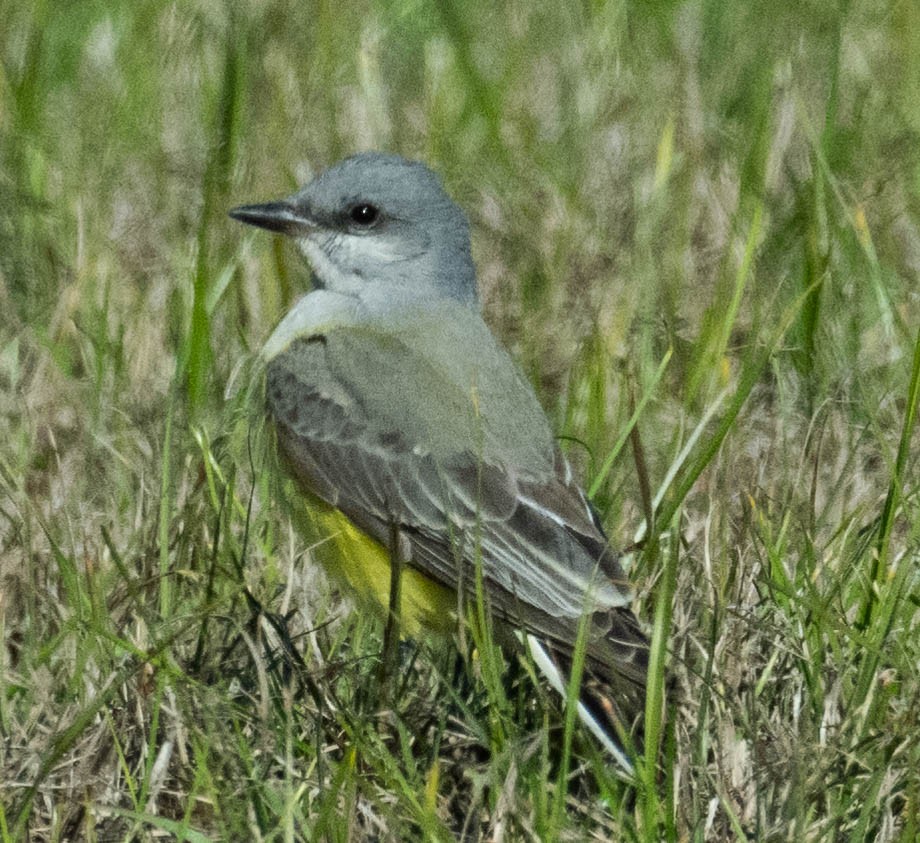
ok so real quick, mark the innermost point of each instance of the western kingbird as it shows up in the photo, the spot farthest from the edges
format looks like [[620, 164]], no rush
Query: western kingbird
[[412, 432]]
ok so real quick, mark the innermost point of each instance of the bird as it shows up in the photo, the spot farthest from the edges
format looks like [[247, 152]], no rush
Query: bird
[[421, 451]]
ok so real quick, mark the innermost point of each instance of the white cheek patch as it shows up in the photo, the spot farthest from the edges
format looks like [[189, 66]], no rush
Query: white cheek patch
[[375, 249], [342, 260]]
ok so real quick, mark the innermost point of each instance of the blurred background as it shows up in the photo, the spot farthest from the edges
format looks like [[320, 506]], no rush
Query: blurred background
[[708, 211]]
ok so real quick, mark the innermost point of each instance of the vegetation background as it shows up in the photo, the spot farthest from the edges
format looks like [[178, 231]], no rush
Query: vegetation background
[[704, 214]]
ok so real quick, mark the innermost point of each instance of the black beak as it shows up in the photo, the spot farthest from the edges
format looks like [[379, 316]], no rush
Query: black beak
[[274, 216]]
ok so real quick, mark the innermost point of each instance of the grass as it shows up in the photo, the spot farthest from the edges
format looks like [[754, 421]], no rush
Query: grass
[[697, 228]]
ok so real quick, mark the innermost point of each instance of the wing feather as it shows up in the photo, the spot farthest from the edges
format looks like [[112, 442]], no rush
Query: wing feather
[[360, 437]]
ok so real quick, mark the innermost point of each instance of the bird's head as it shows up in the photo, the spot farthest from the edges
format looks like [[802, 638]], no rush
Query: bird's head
[[376, 224]]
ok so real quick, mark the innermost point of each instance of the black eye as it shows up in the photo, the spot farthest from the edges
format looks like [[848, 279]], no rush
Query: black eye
[[364, 214]]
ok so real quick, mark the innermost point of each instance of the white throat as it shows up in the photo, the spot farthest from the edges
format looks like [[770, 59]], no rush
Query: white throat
[[330, 272]]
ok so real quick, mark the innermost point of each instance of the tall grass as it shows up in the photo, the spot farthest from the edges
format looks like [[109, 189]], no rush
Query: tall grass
[[697, 228]]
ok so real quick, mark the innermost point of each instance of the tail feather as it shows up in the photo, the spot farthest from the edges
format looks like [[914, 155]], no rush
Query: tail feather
[[612, 693], [551, 671]]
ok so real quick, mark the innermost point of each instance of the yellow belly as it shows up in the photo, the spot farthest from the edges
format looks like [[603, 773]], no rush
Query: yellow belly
[[363, 564]]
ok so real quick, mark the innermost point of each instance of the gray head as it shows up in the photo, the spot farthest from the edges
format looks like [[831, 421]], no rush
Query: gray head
[[376, 223]]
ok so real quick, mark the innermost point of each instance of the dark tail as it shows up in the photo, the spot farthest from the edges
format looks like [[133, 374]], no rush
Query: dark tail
[[613, 684]]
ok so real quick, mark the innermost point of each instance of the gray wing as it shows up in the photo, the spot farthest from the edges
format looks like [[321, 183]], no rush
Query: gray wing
[[421, 452]]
